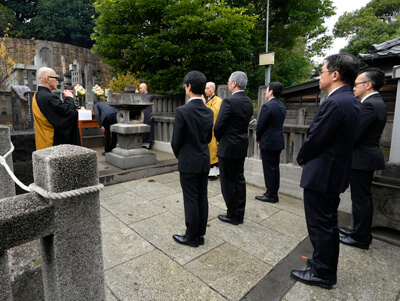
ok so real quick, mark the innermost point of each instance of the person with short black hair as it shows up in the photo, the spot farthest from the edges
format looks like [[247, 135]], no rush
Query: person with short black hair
[[326, 157], [367, 156], [269, 135], [192, 133]]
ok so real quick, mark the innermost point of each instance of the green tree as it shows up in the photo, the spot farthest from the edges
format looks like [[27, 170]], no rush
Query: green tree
[[63, 21], [296, 34], [164, 39], [375, 23], [8, 22]]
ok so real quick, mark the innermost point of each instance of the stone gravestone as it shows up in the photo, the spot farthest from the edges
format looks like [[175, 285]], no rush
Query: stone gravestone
[[44, 56], [223, 91], [89, 84], [21, 108], [76, 78]]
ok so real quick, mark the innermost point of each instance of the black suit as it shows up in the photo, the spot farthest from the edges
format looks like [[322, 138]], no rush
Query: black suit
[[106, 116], [326, 155], [367, 157], [231, 131], [192, 133], [270, 136]]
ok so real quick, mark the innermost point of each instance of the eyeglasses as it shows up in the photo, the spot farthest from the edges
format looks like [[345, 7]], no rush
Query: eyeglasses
[[325, 71], [355, 84], [56, 77]]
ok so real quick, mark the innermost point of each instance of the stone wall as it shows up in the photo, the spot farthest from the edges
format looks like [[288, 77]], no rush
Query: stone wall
[[23, 52]]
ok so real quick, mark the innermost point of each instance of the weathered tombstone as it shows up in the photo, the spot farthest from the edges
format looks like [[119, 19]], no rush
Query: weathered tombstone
[[21, 107], [44, 56], [89, 84], [129, 128], [223, 91]]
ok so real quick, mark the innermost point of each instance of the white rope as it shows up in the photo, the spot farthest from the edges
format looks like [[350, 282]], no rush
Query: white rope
[[44, 193]]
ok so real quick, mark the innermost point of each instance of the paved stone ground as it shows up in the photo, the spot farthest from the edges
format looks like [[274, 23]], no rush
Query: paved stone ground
[[143, 262]]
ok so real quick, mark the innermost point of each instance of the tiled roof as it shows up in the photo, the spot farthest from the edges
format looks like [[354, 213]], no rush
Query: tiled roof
[[384, 50]]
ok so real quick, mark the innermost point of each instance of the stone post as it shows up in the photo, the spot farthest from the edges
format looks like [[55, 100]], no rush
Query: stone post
[[5, 284], [7, 187], [262, 98], [72, 256], [394, 157]]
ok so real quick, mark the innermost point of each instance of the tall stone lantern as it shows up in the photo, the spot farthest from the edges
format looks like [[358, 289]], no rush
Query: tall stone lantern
[[130, 127]]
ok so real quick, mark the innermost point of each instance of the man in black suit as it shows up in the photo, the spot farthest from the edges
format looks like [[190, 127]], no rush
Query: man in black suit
[[231, 131], [326, 160], [269, 135], [192, 133], [106, 116], [367, 155]]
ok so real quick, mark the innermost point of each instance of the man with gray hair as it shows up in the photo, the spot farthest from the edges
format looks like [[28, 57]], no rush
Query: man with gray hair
[[231, 131]]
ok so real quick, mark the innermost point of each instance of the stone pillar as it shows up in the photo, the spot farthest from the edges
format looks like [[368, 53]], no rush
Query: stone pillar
[[72, 256], [395, 145], [5, 284], [89, 84], [7, 187]]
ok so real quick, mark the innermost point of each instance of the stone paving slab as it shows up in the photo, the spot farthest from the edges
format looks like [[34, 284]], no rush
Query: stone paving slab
[[130, 208], [229, 270], [148, 188], [120, 243], [155, 276], [287, 223], [263, 243], [159, 229]]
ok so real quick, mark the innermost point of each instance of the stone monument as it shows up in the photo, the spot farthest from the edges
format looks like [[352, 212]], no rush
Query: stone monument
[[129, 128]]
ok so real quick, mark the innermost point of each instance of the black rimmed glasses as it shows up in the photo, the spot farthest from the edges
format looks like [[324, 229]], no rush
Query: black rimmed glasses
[[56, 77]]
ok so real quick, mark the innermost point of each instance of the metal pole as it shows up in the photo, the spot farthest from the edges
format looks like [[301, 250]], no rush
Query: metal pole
[[268, 67]]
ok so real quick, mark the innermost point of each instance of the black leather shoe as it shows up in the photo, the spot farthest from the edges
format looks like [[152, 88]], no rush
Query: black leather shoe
[[201, 240], [309, 278], [263, 198], [184, 241], [212, 178], [354, 243], [346, 231], [226, 219]]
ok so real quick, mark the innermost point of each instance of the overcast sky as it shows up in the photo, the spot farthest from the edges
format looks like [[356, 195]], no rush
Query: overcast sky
[[341, 7]]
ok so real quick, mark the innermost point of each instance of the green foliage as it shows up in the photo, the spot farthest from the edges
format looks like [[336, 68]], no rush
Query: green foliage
[[375, 23], [165, 39], [8, 22], [63, 21]]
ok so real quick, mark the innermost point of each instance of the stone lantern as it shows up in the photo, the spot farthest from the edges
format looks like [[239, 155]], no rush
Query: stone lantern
[[130, 127]]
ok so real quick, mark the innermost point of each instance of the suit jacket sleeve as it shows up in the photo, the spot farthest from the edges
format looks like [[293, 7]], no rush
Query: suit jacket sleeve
[[262, 122], [321, 131], [223, 119], [178, 136]]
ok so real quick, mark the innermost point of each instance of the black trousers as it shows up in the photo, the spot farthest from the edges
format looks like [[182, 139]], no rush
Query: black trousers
[[233, 186], [110, 138], [270, 161], [362, 206], [322, 225], [195, 201]]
